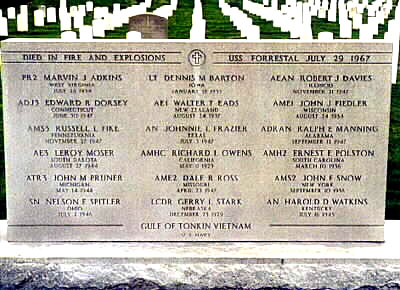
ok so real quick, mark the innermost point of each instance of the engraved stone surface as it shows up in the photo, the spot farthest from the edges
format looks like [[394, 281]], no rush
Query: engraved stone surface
[[214, 141], [151, 26], [201, 265]]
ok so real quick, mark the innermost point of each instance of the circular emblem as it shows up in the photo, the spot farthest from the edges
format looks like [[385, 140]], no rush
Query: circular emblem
[[197, 57]]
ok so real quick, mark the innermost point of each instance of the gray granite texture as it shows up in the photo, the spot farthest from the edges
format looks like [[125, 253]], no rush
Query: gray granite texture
[[222, 266], [169, 274]]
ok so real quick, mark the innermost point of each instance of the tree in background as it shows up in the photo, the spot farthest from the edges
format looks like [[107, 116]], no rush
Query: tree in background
[[12, 3], [56, 3]]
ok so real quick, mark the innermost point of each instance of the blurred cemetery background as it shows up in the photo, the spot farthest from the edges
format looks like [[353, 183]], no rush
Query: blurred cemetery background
[[218, 19]]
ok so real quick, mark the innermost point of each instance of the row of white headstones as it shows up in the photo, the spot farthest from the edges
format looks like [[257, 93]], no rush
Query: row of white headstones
[[73, 18], [293, 17]]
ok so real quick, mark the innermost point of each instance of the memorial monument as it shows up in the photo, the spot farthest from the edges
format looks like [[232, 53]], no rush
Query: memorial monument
[[212, 141], [203, 142]]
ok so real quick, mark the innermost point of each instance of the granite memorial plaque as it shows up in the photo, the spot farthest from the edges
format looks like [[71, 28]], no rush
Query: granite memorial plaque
[[150, 26], [214, 141]]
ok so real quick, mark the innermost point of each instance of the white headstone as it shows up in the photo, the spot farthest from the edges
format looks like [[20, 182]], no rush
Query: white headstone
[[129, 12], [38, 18], [89, 6], [286, 23], [11, 13], [332, 15], [291, 3], [78, 20], [386, 11], [371, 10], [100, 12], [313, 10], [321, 13], [43, 8], [380, 17], [3, 26], [360, 8], [277, 20], [295, 30], [346, 30], [202, 29], [86, 32], [298, 12], [332, 12], [22, 23], [306, 14], [325, 36], [253, 33], [163, 11], [372, 21], [247, 5], [198, 30], [73, 10], [139, 9], [51, 15], [133, 35], [366, 32], [62, 12], [306, 32], [352, 10], [342, 14], [357, 20], [99, 27], [116, 7], [68, 35], [117, 19], [124, 16], [82, 9], [109, 21], [65, 22], [63, 3], [24, 9], [97, 13], [274, 4]]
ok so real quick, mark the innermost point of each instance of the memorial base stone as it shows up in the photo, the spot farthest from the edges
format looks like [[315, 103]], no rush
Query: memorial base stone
[[201, 265]]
